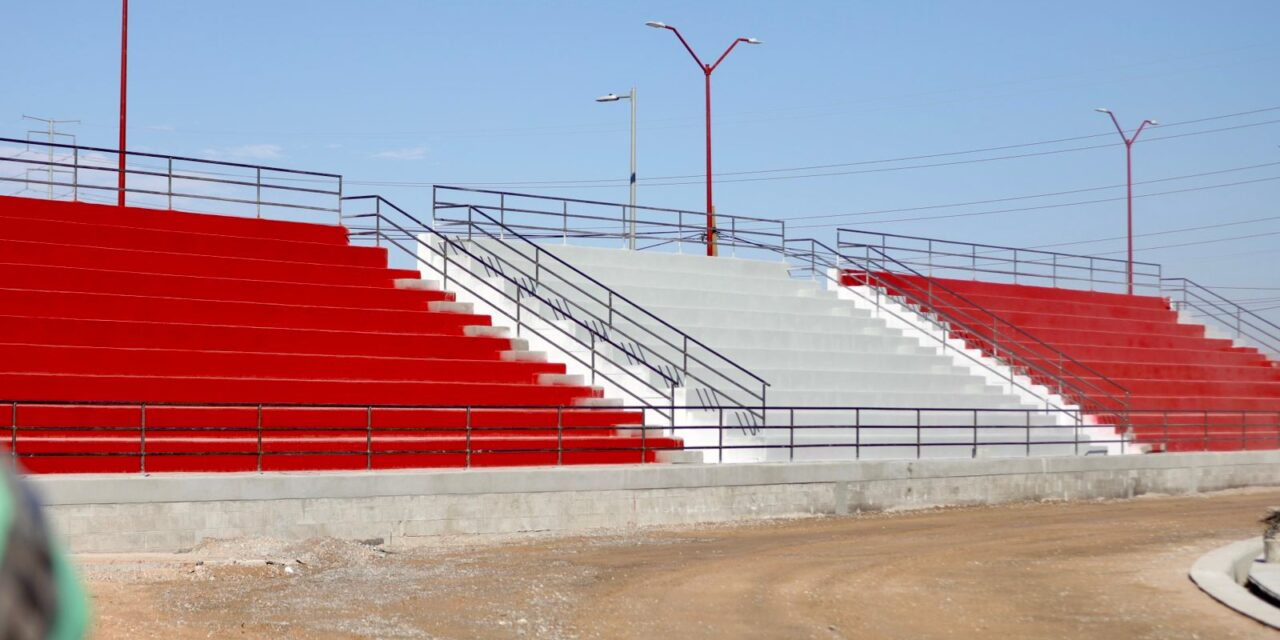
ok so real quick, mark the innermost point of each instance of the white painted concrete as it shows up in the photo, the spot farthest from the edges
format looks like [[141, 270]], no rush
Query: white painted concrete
[[815, 348]]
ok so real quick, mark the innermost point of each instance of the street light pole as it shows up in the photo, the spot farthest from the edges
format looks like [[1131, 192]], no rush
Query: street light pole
[[631, 240], [124, 85], [1128, 160], [707, 69]]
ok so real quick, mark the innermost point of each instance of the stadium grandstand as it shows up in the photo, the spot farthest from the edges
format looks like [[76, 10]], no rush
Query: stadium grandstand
[[236, 317]]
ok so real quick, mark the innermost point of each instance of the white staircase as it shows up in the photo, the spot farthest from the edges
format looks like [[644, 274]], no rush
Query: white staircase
[[815, 350]]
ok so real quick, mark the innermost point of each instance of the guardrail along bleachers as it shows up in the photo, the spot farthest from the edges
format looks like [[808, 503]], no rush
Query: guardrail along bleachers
[[1189, 390], [211, 342]]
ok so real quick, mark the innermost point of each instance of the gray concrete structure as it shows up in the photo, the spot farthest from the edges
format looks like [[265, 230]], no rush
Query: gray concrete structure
[[1221, 573], [173, 512]]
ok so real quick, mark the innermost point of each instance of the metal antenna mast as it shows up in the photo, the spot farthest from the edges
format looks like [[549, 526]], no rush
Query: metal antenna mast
[[51, 131]]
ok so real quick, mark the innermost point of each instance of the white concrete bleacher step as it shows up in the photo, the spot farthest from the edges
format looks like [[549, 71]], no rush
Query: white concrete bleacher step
[[814, 348]]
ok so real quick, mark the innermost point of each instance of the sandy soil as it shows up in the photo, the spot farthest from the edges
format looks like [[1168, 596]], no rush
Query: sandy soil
[[1114, 569]]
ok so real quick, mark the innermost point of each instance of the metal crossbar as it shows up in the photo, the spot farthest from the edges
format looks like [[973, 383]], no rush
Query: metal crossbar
[[955, 316], [89, 174], [972, 261], [798, 433], [552, 299], [1242, 324], [596, 223]]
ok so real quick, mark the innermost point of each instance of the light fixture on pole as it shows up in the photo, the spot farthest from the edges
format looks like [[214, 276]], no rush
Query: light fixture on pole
[[1128, 155], [706, 71], [631, 239]]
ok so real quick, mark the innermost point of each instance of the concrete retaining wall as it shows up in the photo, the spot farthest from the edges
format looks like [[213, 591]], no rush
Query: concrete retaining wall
[[175, 512]]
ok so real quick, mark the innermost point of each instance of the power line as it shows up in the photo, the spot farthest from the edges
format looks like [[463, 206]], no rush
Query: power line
[[1195, 243], [1054, 206], [1159, 233], [1030, 196], [655, 181]]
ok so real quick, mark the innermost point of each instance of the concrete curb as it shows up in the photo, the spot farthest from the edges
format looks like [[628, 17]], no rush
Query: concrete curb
[[1221, 572]]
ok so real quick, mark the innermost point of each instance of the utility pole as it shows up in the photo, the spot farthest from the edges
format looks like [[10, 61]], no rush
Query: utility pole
[[124, 86], [53, 134]]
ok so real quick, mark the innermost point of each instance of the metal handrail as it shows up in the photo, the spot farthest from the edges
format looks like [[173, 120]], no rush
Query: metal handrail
[[601, 330], [938, 255], [78, 165], [665, 226], [1187, 429], [954, 319], [1211, 304], [612, 297]]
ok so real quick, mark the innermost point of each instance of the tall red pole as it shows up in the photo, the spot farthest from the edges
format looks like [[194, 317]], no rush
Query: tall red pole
[[1128, 167], [711, 210], [124, 85], [706, 71]]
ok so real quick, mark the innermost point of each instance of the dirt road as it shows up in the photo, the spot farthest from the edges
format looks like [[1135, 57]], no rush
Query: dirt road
[[1081, 570]]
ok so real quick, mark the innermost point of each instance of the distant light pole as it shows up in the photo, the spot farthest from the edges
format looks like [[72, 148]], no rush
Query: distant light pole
[[124, 84], [631, 240], [1128, 159], [706, 70]]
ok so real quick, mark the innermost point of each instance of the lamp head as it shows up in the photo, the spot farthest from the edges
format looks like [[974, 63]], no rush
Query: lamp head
[[1102, 110], [1153, 123], [608, 98], [752, 41], [656, 25]]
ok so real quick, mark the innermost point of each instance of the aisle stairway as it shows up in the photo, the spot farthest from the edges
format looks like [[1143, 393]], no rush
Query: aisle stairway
[[114, 307], [815, 351], [1189, 390]]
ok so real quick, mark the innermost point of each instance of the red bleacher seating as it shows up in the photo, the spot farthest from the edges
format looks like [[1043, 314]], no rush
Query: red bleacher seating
[[102, 305], [1187, 391]]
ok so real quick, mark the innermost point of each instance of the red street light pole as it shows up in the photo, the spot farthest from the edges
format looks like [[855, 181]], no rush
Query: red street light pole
[[1128, 160], [706, 71], [124, 84]]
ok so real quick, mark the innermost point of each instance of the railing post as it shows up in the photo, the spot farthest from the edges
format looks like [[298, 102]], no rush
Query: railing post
[[142, 438], [918, 448], [259, 438], [1028, 433], [857, 434], [644, 442], [368, 438], [468, 430], [720, 436], [560, 435], [1206, 430], [502, 215], [564, 222], [975, 434], [1244, 429], [791, 448], [13, 430], [75, 174], [1165, 440], [680, 231], [258, 196]]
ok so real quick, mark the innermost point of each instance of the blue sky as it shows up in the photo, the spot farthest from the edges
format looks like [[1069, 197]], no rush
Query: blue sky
[[502, 92]]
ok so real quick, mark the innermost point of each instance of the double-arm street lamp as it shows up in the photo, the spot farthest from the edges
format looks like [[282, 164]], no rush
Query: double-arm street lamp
[[1128, 154], [631, 239], [706, 70]]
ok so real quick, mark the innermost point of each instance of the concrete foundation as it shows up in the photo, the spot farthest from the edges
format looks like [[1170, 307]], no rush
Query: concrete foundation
[[167, 513]]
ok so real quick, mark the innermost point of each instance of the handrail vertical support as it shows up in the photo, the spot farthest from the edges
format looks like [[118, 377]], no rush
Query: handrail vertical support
[[259, 438], [142, 438], [559, 435], [468, 430], [368, 438], [169, 177], [258, 197], [13, 429]]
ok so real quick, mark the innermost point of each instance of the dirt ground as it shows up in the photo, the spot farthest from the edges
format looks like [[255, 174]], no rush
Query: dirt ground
[[1107, 569]]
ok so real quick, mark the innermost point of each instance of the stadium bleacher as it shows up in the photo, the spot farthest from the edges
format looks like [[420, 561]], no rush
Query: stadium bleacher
[[222, 343]]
